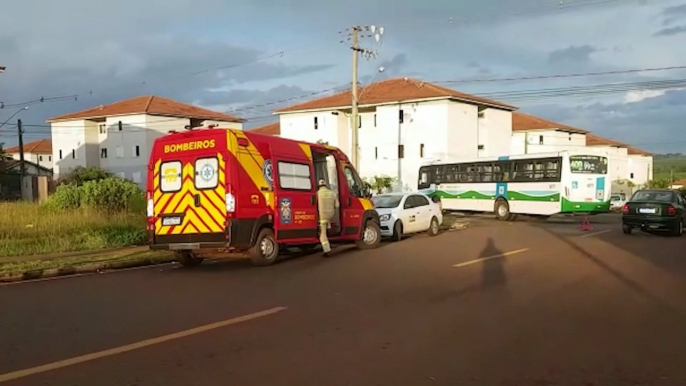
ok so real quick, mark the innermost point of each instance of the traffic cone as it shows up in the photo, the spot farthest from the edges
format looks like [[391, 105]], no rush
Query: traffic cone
[[586, 225]]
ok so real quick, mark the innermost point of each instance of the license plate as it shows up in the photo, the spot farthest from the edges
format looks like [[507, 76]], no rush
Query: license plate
[[171, 221], [646, 210]]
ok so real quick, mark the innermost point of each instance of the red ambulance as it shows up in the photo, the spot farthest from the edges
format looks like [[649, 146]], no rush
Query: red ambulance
[[219, 191]]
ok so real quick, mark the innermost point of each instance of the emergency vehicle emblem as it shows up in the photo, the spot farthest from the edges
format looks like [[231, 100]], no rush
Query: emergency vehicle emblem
[[285, 211], [268, 171], [207, 172]]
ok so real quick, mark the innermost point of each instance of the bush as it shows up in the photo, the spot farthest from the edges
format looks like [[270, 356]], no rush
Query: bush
[[81, 175], [111, 194], [66, 197]]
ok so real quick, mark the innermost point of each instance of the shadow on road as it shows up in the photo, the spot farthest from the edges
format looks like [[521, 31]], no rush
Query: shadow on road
[[492, 269], [630, 283]]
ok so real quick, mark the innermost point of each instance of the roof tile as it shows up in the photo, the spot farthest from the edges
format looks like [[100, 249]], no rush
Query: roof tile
[[270, 129], [389, 91], [522, 122], [42, 146], [150, 104]]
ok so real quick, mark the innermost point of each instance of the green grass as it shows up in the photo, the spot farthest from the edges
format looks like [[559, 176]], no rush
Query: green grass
[[31, 229], [664, 165], [20, 267]]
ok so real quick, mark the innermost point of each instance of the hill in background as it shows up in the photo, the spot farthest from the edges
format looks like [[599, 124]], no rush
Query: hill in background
[[663, 164]]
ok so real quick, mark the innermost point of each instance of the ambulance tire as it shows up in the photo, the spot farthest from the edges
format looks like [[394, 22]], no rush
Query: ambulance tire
[[266, 249], [187, 259], [371, 236]]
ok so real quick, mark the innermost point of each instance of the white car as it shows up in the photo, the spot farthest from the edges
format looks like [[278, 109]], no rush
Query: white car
[[617, 200], [407, 213]]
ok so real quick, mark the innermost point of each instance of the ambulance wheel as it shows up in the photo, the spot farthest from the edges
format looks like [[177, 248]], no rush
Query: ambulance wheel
[[188, 259], [266, 250], [371, 236]]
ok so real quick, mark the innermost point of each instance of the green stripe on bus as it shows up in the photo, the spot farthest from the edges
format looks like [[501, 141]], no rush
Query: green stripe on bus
[[571, 207], [511, 195], [517, 196]]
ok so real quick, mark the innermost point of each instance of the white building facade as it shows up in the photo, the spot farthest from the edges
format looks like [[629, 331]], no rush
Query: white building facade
[[397, 136], [38, 152], [119, 137]]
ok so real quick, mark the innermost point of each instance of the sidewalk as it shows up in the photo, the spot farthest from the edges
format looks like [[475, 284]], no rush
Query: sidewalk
[[62, 255]]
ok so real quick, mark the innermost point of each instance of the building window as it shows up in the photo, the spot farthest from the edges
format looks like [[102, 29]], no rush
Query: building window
[[120, 152], [402, 116], [374, 120], [421, 150], [401, 151], [137, 177], [631, 176], [120, 126], [49, 158], [359, 121], [73, 154], [540, 140], [136, 151], [102, 128], [481, 114], [40, 157], [316, 123], [481, 147], [376, 153], [103, 153], [60, 154]]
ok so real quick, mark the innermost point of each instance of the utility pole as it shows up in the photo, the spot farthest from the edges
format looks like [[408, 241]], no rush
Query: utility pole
[[354, 116], [22, 167]]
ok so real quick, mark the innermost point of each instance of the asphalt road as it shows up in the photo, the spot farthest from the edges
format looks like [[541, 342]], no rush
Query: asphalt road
[[524, 303]]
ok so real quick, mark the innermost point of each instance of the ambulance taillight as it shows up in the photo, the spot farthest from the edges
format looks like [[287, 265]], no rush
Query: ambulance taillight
[[230, 199], [150, 211]]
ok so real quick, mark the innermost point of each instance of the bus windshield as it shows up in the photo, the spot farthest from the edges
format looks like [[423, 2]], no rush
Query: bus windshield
[[588, 164]]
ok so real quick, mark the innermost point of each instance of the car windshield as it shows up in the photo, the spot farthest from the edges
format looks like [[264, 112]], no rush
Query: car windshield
[[653, 197], [386, 201]]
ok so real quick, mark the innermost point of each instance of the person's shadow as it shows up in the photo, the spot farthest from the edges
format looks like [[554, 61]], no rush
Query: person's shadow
[[492, 269]]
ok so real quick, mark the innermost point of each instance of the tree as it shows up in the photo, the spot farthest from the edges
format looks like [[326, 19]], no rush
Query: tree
[[381, 183], [663, 183], [80, 175]]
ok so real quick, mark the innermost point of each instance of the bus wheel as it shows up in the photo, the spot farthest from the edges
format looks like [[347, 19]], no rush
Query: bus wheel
[[188, 259], [265, 250], [502, 210], [398, 231], [371, 236]]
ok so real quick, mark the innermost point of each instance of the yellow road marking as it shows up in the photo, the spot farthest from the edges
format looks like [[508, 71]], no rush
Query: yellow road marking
[[466, 263], [134, 346]]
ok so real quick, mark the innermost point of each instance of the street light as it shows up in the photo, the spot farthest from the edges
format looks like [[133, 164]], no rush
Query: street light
[[14, 115]]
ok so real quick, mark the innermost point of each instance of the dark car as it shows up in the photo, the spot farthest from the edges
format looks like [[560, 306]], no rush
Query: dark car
[[655, 210]]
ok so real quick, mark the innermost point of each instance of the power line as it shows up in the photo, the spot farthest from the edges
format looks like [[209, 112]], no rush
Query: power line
[[558, 76]]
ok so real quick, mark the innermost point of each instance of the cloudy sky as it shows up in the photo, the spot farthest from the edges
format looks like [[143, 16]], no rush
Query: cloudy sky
[[244, 56]]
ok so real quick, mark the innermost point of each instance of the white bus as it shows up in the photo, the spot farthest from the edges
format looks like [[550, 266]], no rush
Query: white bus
[[535, 184]]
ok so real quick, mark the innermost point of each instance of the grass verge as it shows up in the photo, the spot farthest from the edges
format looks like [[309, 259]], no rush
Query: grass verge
[[32, 229], [72, 264]]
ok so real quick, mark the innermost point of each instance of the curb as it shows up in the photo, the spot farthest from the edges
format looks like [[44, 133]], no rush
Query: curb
[[82, 269]]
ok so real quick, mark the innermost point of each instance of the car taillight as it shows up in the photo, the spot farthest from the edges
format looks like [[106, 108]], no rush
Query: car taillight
[[625, 208], [671, 211]]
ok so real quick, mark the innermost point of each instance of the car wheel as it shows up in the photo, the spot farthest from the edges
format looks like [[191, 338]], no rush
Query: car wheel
[[188, 259], [398, 231], [371, 236], [502, 210], [433, 227], [266, 249], [627, 229], [679, 228]]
